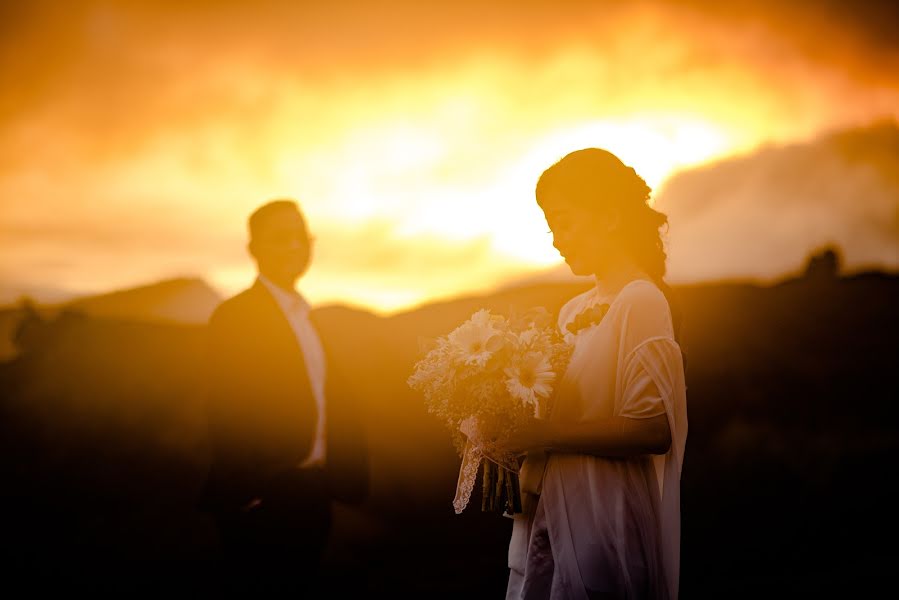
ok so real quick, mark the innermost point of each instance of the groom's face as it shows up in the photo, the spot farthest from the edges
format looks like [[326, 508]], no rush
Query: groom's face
[[281, 245]]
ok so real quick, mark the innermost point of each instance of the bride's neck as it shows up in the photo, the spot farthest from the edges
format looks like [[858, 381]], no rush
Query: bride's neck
[[613, 278]]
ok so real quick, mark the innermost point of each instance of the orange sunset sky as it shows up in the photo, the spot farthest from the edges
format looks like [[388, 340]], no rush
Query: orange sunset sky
[[138, 136]]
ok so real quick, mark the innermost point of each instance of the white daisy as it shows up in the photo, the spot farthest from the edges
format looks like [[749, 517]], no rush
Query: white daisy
[[528, 336], [531, 378], [472, 339]]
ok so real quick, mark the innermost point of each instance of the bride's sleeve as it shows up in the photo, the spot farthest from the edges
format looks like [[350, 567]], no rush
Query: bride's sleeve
[[650, 363], [651, 382], [641, 398], [651, 370]]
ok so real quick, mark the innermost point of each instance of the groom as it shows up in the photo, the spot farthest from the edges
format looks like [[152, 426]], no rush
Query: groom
[[285, 441]]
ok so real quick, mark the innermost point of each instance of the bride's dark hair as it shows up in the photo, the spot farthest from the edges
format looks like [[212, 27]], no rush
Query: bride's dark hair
[[596, 181]]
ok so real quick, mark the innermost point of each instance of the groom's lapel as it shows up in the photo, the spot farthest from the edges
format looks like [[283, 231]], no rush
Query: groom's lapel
[[284, 343], [274, 321], [327, 343]]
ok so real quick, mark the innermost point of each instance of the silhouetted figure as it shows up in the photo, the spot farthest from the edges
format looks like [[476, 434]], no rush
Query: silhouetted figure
[[823, 266], [601, 481], [284, 443], [28, 332]]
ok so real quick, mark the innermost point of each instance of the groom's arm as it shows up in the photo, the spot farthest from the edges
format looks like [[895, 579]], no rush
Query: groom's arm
[[224, 374], [227, 402]]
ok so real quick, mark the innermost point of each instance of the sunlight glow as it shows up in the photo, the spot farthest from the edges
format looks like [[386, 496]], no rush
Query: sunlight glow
[[416, 176]]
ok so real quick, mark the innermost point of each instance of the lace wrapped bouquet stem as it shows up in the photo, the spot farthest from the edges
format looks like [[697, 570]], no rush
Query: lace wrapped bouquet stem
[[484, 380], [501, 491]]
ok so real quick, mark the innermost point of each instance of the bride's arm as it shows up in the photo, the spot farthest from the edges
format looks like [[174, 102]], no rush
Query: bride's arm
[[612, 437], [645, 316]]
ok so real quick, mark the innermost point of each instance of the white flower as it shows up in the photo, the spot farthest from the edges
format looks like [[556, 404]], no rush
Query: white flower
[[528, 337], [472, 339], [530, 378]]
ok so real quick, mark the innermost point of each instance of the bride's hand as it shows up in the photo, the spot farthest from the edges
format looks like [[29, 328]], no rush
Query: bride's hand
[[534, 435]]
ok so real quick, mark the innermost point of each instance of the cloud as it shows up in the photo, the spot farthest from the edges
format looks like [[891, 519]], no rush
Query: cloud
[[109, 65], [365, 263], [391, 271], [761, 215], [136, 136]]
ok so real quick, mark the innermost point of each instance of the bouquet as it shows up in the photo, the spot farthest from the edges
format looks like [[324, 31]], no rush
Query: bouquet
[[485, 379]]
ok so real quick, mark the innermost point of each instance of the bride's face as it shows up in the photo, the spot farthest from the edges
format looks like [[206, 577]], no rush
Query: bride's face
[[580, 236]]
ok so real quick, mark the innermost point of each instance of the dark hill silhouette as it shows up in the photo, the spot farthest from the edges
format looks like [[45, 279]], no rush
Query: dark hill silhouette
[[182, 300], [789, 452]]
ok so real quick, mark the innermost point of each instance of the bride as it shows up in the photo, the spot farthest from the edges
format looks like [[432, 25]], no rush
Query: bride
[[601, 483]]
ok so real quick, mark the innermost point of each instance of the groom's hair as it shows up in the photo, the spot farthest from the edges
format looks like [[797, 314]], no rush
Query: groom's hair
[[264, 212]]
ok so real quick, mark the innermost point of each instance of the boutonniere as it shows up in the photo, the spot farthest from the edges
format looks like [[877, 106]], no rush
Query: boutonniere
[[587, 318]]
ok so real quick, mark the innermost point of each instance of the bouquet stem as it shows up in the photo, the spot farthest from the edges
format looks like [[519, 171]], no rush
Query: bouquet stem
[[498, 490], [487, 481], [501, 490]]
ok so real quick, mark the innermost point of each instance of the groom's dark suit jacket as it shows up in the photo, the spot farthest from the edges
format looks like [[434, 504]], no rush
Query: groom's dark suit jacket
[[262, 413]]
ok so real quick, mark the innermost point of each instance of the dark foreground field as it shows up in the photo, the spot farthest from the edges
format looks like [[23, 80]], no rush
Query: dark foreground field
[[786, 486]]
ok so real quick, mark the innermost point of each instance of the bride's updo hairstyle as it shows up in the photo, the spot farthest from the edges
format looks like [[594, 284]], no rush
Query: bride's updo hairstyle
[[598, 183]]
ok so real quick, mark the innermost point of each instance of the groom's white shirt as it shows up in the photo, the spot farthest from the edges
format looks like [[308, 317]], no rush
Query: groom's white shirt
[[296, 309]]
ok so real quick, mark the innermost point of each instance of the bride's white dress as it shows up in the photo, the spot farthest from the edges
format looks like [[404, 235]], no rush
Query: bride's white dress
[[608, 527]]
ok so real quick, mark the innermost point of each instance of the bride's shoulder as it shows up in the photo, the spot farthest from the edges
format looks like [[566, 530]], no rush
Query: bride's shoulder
[[643, 305], [643, 294]]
